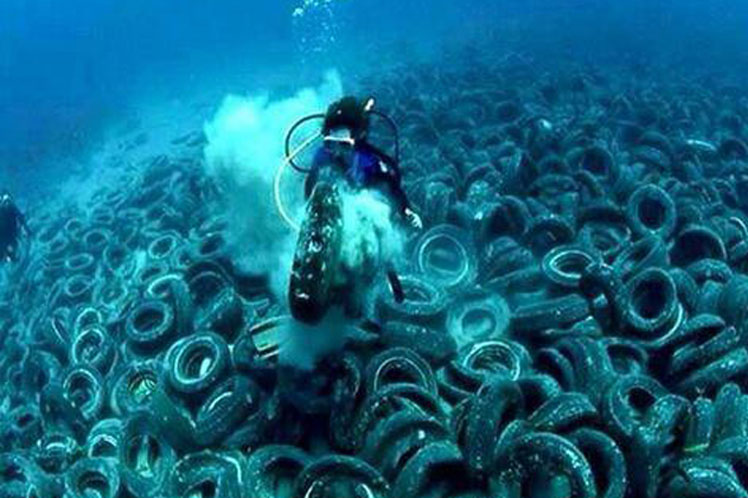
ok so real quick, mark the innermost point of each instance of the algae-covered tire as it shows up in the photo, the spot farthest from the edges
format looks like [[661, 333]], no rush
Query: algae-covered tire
[[317, 254], [145, 457], [208, 473], [197, 362], [149, 326], [92, 477]]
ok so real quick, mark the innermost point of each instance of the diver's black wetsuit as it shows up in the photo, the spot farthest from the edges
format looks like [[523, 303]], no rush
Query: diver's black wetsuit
[[367, 167], [11, 223], [363, 165]]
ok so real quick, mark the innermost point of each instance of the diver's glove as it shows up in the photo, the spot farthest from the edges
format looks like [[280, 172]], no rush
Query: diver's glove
[[413, 218]]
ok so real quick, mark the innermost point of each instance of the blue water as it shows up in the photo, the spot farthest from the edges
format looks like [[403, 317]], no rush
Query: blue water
[[571, 236], [70, 71]]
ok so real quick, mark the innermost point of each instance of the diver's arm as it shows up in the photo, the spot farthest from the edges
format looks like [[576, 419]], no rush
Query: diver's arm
[[391, 176], [399, 196], [390, 172]]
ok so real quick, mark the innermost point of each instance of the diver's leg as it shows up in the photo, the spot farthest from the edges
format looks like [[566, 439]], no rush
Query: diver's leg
[[351, 294], [395, 286], [371, 325], [352, 306]]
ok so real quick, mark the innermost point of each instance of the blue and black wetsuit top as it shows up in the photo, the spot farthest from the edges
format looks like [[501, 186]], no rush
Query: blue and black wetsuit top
[[369, 167]]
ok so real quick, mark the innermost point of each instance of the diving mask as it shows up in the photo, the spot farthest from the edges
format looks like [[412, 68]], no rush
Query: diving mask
[[339, 141]]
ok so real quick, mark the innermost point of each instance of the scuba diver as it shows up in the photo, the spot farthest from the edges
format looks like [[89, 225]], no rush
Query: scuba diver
[[345, 132], [12, 222], [346, 155]]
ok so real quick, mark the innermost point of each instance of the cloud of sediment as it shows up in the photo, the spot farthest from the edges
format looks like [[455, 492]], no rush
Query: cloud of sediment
[[245, 147]]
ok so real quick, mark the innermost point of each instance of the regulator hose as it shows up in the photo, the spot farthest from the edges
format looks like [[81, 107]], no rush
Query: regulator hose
[[395, 132], [289, 135], [279, 173], [289, 156]]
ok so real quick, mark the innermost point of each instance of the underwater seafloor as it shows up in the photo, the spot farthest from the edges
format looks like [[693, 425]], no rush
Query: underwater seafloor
[[573, 323]]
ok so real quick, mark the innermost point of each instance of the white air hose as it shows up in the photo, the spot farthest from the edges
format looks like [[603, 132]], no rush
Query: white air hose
[[279, 173]]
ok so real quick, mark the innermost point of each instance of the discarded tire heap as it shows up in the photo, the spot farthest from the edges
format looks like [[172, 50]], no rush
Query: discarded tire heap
[[574, 322]]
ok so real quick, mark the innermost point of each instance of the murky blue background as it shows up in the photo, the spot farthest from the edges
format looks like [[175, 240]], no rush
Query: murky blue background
[[72, 71]]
